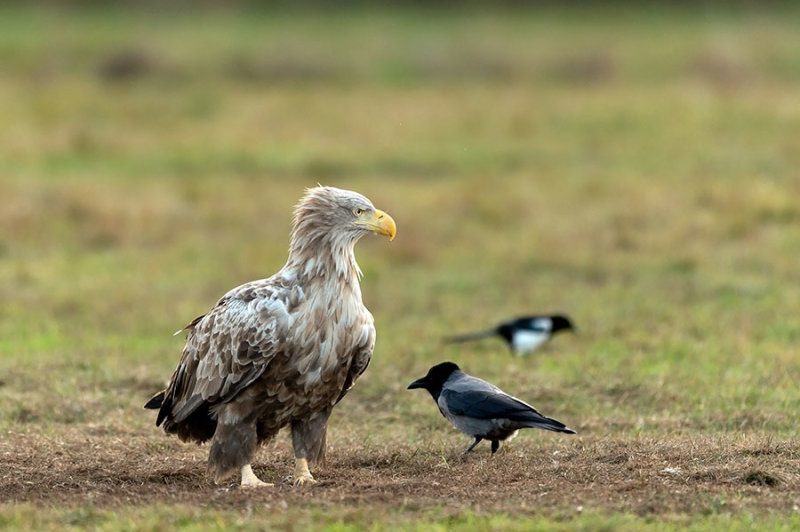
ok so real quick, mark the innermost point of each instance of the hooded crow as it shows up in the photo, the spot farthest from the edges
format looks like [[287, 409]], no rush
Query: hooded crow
[[523, 335], [479, 409]]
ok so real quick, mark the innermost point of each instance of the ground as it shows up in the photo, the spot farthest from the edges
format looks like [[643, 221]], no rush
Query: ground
[[633, 168], [643, 477]]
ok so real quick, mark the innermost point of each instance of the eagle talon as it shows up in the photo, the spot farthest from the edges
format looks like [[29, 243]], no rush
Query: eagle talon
[[250, 480], [302, 475], [305, 479], [255, 484]]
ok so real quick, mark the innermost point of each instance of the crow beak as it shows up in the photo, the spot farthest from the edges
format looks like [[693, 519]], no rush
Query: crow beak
[[419, 383]]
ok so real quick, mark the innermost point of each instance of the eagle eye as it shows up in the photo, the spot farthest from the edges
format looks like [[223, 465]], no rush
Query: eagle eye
[[358, 211]]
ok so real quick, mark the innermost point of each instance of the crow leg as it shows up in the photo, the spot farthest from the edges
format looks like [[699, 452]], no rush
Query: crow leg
[[476, 442], [495, 446]]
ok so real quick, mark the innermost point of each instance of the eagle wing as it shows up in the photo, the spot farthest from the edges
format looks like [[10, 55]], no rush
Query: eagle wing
[[229, 348], [362, 355]]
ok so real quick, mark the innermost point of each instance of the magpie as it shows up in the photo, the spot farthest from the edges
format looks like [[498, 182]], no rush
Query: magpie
[[479, 409], [523, 335]]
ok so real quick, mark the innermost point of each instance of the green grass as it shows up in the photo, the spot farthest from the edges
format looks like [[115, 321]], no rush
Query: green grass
[[634, 167], [188, 518]]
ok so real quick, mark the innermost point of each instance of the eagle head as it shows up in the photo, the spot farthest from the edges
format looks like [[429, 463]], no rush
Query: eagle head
[[340, 214]]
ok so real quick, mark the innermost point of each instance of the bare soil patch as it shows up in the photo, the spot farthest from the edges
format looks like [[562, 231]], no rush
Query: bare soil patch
[[685, 475]]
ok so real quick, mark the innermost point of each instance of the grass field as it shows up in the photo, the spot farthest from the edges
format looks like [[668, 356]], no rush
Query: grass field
[[636, 168]]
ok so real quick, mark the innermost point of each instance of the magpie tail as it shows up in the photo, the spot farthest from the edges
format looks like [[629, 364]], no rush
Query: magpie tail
[[469, 336]]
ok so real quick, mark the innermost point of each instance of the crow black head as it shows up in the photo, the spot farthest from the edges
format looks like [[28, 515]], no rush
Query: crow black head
[[435, 378]]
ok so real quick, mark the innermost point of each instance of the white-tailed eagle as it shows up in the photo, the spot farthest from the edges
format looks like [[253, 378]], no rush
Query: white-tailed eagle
[[279, 351]]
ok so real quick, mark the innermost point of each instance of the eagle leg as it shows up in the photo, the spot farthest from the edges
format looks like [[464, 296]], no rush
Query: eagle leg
[[233, 446], [250, 480], [308, 441], [476, 442]]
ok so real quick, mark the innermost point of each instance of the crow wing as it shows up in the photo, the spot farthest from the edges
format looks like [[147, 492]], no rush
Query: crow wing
[[481, 404], [465, 395]]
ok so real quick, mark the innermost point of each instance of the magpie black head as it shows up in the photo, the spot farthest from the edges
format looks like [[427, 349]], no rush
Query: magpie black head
[[561, 323], [435, 378]]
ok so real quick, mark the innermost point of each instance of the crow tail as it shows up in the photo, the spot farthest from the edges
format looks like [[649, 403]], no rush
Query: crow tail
[[547, 423]]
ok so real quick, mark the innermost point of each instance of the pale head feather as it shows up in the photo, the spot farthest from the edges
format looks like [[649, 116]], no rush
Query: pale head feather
[[324, 232]]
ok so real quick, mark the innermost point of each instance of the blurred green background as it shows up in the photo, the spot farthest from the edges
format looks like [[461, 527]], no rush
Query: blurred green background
[[635, 166]]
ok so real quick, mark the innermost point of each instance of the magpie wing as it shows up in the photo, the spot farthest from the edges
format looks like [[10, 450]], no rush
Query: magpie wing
[[534, 323]]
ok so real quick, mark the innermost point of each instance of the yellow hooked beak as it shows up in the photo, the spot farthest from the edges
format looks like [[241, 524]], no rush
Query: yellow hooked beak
[[379, 222]]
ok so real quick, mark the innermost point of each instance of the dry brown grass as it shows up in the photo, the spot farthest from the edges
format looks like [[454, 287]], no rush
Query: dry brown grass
[[533, 475]]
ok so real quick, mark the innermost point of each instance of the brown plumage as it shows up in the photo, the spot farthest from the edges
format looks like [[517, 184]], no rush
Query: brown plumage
[[279, 351]]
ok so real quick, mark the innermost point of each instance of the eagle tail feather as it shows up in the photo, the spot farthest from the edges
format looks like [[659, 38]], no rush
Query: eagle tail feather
[[156, 401]]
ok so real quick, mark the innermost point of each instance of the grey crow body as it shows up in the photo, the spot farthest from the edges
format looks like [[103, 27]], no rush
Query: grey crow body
[[523, 335], [479, 409]]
